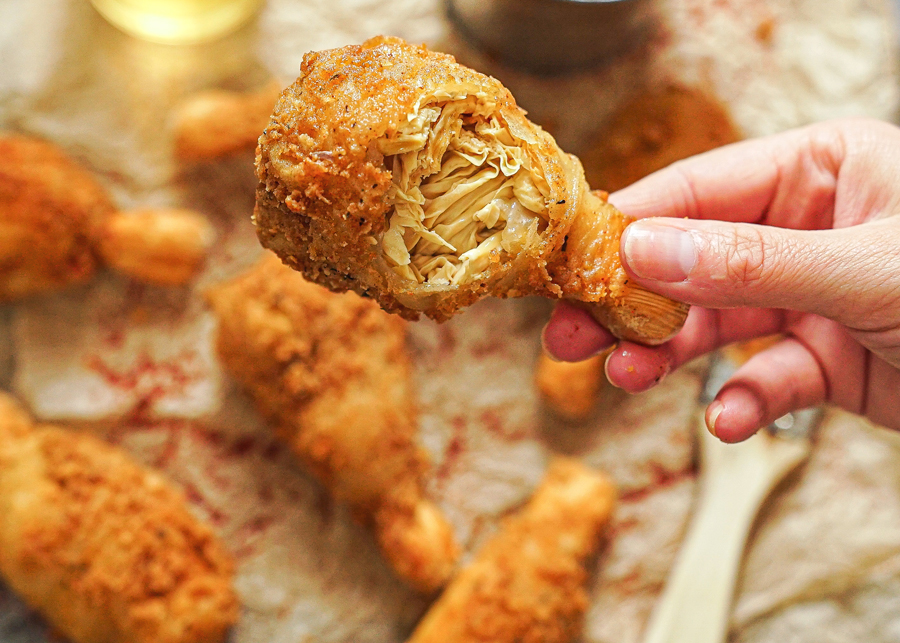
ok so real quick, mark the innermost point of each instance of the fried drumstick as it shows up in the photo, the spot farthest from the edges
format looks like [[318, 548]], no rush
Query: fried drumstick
[[104, 548], [217, 123], [395, 172], [57, 224], [526, 585], [332, 374]]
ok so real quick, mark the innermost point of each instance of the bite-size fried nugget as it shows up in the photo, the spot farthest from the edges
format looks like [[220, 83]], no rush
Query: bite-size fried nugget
[[526, 584], [332, 374], [58, 224], [216, 123], [163, 246], [398, 173], [104, 548], [570, 389]]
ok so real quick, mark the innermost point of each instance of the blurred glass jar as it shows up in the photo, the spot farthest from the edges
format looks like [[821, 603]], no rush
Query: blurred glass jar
[[177, 21]]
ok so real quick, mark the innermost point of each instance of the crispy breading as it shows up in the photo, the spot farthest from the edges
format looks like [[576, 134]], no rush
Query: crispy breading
[[57, 224], [323, 199], [104, 548], [398, 173], [526, 584], [332, 374], [49, 209]]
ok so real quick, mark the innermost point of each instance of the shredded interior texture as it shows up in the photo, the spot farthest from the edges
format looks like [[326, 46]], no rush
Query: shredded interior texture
[[463, 187]]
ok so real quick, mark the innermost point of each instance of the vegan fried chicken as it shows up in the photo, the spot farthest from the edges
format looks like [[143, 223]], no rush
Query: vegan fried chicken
[[104, 548], [58, 225], [49, 210], [526, 584], [396, 172], [332, 374]]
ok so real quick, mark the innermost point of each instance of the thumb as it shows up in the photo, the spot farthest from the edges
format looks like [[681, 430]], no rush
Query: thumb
[[851, 275]]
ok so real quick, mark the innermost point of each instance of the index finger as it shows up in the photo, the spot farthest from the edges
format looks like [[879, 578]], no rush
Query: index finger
[[785, 180]]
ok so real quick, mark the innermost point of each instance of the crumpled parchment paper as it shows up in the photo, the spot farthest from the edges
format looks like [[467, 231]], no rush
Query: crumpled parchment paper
[[135, 363]]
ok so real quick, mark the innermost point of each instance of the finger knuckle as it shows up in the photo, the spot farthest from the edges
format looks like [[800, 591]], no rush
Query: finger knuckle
[[747, 256], [687, 201]]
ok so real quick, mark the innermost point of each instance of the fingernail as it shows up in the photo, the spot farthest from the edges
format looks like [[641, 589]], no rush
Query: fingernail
[[602, 350], [546, 351], [654, 250], [606, 369], [712, 414]]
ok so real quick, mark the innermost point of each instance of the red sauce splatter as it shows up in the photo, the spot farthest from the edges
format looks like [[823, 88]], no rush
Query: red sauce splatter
[[454, 450], [630, 583], [194, 496], [250, 532], [446, 340], [168, 452], [662, 478], [242, 447], [494, 424], [487, 347], [273, 451], [325, 505], [149, 380]]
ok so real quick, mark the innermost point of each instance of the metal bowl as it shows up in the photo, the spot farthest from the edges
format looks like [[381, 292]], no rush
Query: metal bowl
[[552, 36]]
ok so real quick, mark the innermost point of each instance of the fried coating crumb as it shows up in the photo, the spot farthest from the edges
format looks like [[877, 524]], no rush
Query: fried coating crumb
[[104, 548], [653, 130], [396, 172], [332, 374], [570, 389], [49, 209], [526, 585], [217, 123]]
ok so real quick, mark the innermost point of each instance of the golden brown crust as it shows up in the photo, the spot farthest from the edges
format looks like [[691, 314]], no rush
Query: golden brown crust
[[590, 269], [49, 208], [332, 374], [526, 584], [106, 549], [323, 192]]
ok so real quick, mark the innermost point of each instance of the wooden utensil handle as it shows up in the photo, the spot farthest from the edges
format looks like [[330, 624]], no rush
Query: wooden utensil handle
[[695, 604]]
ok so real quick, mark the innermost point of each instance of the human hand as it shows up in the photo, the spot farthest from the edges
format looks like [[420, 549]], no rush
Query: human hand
[[794, 234]]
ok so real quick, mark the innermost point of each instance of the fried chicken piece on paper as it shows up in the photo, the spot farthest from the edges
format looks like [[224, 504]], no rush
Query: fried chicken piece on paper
[[398, 173], [526, 584], [104, 548], [217, 123], [58, 224], [332, 374], [49, 209]]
